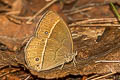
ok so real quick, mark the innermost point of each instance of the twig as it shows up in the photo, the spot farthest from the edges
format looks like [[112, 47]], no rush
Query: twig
[[19, 17], [92, 78], [107, 61], [78, 11], [44, 8], [115, 11], [9, 72], [89, 78], [95, 25], [96, 22], [27, 77], [99, 20], [84, 6], [103, 76]]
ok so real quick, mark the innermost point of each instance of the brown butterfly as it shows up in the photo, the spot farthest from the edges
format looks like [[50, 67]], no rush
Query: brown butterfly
[[51, 46]]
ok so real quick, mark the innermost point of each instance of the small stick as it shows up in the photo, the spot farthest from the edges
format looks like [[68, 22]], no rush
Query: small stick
[[103, 76], [19, 17], [81, 10], [9, 72], [107, 61], [89, 78], [115, 11], [27, 77], [84, 6], [48, 5], [99, 20], [95, 25]]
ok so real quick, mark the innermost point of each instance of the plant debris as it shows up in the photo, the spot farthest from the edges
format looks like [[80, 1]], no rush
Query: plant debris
[[94, 28]]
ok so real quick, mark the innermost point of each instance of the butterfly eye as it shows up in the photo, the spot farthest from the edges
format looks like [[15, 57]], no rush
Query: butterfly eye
[[46, 32], [36, 59]]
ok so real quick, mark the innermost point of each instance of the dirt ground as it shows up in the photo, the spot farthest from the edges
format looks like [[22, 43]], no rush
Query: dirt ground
[[95, 31]]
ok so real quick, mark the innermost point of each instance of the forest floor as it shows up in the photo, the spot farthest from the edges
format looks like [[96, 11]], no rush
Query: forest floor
[[95, 31]]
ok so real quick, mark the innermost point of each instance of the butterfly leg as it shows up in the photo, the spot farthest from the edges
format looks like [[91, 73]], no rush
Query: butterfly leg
[[74, 59], [62, 66], [63, 63], [74, 62]]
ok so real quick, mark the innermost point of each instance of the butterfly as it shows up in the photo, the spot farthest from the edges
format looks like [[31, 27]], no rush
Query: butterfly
[[52, 44]]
